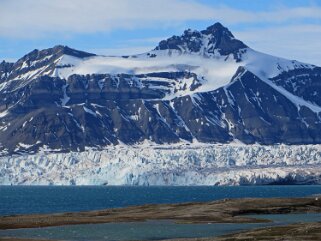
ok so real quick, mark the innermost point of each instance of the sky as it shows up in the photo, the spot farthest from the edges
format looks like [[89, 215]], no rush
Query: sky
[[286, 28]]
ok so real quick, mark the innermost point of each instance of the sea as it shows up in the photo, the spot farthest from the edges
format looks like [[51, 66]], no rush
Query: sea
[[51, 199]]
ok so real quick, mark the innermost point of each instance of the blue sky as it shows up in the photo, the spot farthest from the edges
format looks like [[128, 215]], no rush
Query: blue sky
[[288, 28]]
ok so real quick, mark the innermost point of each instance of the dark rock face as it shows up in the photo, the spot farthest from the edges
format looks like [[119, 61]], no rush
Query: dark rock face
[[119, 111], [223, 40], [215, 37], [5, 69], [269, 116], [302, 82], [102, 109]]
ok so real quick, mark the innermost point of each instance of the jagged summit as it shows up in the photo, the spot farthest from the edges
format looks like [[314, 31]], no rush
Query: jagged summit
[[41, 62], [215, 39], [217, 29], [56, 51], [61, 49]]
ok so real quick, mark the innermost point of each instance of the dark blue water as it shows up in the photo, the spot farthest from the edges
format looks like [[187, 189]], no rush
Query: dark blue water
[[50, 199], [151, 230]]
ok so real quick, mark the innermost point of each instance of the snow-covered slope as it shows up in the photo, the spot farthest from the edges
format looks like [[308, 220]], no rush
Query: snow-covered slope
[[215, 72]]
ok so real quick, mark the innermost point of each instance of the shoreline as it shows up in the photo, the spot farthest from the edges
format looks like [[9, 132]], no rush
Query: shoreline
[[222, 211], [293, 232]]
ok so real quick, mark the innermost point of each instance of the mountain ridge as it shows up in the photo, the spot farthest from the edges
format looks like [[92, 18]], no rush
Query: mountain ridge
[[215, 38]]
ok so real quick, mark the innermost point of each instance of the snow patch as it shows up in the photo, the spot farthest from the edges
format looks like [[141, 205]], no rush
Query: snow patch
[[65, 98], [89, 111]]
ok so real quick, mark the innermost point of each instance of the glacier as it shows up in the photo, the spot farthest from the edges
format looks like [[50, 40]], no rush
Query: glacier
[[178, 164]]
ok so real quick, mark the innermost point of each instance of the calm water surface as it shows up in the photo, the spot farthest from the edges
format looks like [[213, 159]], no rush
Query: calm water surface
[[50, 199], [151, 230]]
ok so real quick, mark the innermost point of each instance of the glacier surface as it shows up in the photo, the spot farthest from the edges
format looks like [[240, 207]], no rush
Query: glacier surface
[[179, 164]]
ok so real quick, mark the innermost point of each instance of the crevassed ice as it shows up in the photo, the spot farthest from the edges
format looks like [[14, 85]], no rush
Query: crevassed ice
[[199, 164]]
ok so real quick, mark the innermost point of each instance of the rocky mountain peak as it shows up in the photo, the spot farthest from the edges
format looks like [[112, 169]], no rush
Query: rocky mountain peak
[[62, 49], [4, 65], [5, 69], [214, 39], [217, 29], [42, 60], [54, 52]]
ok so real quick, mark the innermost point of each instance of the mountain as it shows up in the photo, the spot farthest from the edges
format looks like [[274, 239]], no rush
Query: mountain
[[201, 88]]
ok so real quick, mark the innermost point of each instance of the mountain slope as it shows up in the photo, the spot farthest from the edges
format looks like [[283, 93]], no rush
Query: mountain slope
[[204, 86]]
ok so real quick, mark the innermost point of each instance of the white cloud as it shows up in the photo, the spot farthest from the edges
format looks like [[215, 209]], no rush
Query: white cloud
[[11, 60], [28, 18], [300, 42], [129, 47], [34, 18], [120, 51]]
